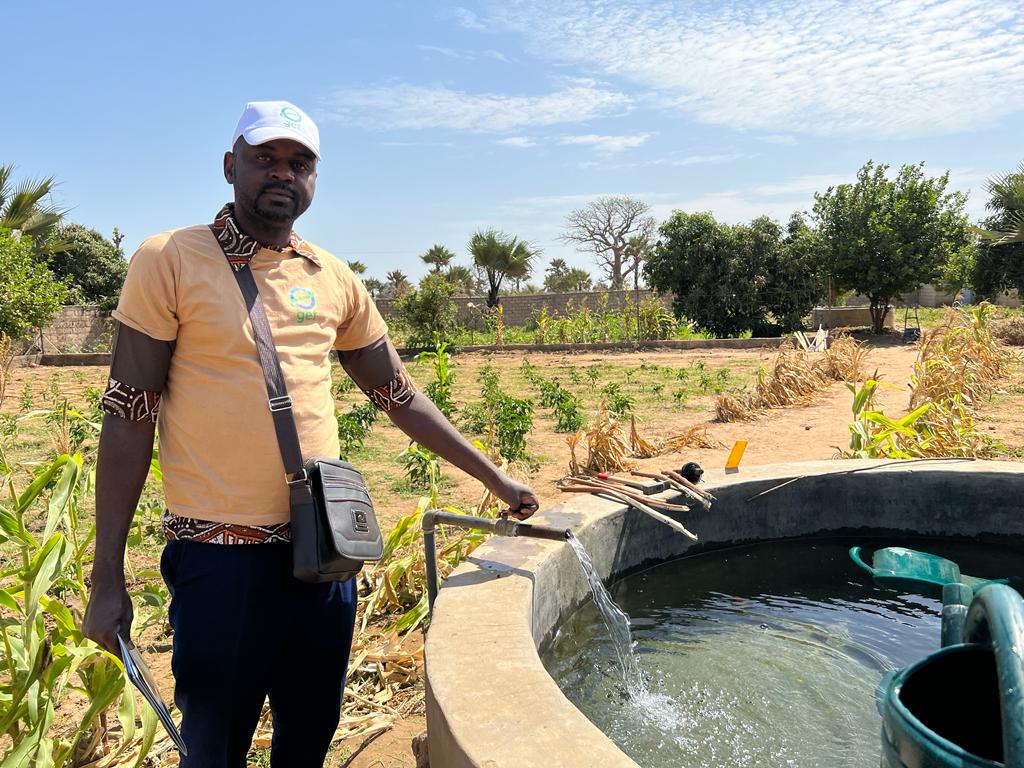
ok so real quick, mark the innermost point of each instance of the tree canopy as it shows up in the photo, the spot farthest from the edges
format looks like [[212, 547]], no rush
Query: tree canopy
[[999, 259], [559, 277], [887, 236], [437, 257], [729, 279], [24, 208], [605, 227], [93, 266], [29, 293], [501, 257]]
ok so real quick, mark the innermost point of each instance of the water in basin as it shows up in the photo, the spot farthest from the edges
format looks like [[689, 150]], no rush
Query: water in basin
[[762, 655]]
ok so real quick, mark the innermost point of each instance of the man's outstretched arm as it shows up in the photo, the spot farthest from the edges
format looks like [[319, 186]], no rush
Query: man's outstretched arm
[[379, 372]]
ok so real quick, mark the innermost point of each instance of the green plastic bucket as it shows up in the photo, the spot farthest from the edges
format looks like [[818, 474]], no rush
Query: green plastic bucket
[[963, 706]]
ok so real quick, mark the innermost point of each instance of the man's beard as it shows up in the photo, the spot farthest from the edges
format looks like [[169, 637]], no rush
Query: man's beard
[[276, 214]]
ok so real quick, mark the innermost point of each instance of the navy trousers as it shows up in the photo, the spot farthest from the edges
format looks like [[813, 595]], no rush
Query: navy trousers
[[245, 629]]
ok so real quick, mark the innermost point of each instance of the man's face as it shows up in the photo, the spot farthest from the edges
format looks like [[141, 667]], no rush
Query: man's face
[[274, 181]]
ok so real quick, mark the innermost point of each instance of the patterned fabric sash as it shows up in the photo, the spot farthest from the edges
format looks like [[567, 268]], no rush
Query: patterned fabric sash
[[177, 528]]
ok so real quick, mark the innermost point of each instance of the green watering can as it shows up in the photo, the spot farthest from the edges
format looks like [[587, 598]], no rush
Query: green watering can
[[908, 570], [962, 706]]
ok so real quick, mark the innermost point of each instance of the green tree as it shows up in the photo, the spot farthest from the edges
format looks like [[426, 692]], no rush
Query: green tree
[[703, 263], [463, 279], [397, 283], [729, 279], [501, 257], [887, 236], [428, 311], [30, 295], [92, 266], [559, 277], [438, 258], [793, 276], [373, 286], [357, 267], [24, 208], [999, 258]]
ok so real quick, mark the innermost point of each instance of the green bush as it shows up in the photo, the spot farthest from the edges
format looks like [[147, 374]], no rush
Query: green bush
[[29, 293], [354, 427], [428, 311]]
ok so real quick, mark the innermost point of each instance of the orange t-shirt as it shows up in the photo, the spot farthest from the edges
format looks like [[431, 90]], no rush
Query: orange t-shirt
[[218, 449]]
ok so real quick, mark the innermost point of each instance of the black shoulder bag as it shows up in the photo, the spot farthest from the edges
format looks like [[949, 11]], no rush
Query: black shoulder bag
[[333, 526]]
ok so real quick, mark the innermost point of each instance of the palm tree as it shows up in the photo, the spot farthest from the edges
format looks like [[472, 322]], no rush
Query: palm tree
[[1006, 200], [357, 267], [462, 278], [438, 257], [373, 286], [22, 208], [397, 283], [501, 256]]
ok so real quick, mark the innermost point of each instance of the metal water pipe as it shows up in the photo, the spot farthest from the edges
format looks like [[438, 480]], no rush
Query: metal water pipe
[[499, 526]]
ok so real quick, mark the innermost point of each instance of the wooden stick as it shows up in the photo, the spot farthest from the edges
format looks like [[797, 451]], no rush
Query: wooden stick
[[690, 489], [633, 494], [631, 502]]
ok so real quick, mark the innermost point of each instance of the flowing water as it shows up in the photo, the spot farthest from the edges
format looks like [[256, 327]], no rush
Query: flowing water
[[765, 655]]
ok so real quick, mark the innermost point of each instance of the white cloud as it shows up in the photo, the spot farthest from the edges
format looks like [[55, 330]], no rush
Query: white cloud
[[451, 53], [517, 141], [467, 19], [465, 54], [608, 144], [418, 107], [867, 68], [781, 139]]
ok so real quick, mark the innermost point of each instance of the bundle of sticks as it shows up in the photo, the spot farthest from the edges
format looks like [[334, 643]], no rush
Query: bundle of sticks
[[632, 493]]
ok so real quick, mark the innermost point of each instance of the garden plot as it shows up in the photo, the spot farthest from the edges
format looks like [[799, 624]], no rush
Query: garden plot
[[668, 392]]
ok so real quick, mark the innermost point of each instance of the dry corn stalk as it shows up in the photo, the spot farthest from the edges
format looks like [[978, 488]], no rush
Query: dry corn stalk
[[695, 437], [606, 451], [642, 448], [796, 377], [845, 358], [730, 407]]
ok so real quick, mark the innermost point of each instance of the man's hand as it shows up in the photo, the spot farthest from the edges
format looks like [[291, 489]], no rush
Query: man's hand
[[520, 499], [109, 612]]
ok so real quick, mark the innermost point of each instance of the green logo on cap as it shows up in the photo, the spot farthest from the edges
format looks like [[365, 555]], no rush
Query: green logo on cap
[[291, 115]]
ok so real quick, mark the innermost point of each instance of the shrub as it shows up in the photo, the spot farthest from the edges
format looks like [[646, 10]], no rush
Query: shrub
[[354, 427], [428, 311], [29, 294]]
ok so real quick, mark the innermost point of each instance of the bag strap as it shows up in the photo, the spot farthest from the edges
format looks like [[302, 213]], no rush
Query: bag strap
[[277, 393]]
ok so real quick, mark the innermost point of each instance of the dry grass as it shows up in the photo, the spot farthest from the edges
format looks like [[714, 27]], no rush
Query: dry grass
[[1010, 330], [796, 377]]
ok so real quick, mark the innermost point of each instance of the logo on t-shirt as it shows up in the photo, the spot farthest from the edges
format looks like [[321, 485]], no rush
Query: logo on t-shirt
[[304, 301]]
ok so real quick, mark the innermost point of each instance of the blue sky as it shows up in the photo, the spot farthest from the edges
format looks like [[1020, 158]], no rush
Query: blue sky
[[437, 119]]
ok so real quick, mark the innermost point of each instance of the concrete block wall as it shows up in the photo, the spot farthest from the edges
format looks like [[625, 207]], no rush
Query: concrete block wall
[[73, 329]]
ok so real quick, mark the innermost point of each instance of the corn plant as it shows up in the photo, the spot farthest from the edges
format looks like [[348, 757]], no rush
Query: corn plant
[[398, 581], [440, 389], [45, 655]]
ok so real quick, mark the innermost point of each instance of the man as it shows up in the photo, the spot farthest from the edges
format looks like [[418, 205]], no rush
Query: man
[[244, 627]]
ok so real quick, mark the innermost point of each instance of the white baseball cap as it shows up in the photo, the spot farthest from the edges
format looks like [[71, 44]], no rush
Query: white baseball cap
[[264, 121]]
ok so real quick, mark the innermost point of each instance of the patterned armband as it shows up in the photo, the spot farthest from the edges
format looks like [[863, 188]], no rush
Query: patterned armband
[[129, 403], [393, 394]]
